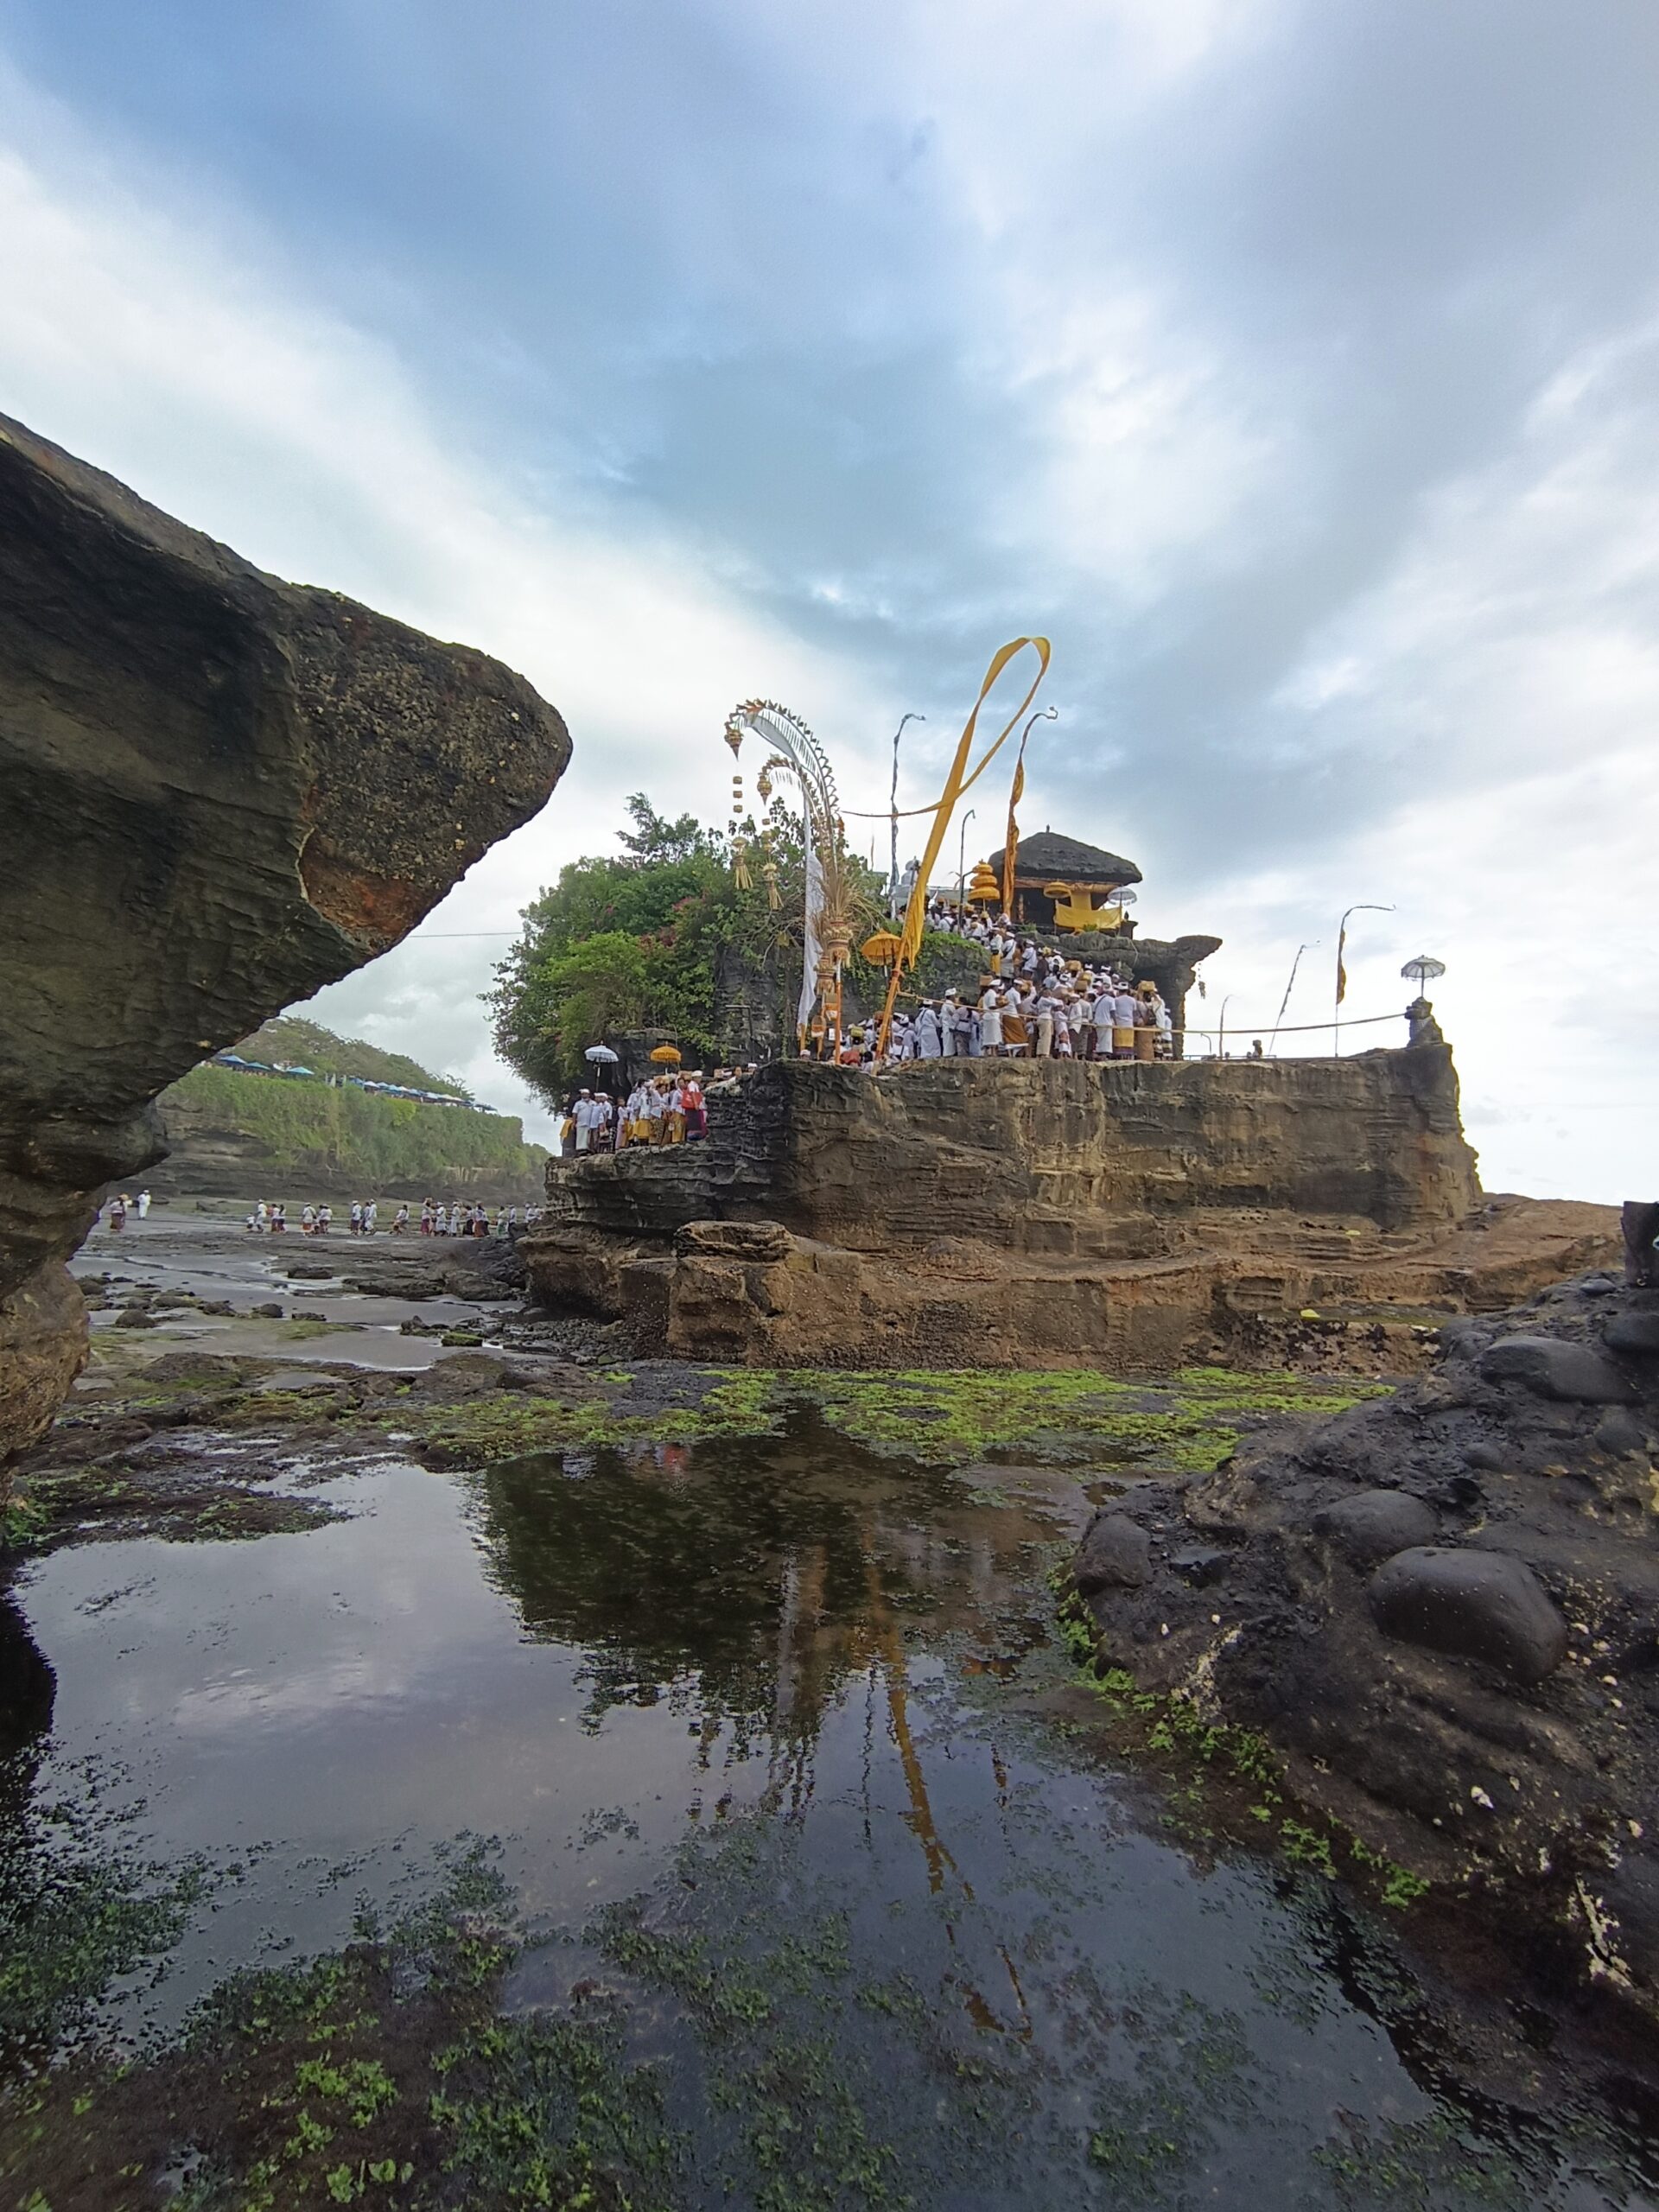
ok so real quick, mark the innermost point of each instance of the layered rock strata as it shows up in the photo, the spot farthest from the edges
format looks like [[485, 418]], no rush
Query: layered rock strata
[[1443, 1610], [222, 791], [965, 1213]]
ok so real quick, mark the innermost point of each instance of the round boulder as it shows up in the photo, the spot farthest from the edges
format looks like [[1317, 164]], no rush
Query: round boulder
[[1470, 1604], [1635, 1334], [1555, 1368], [1116, 1553], [1375, 1524]]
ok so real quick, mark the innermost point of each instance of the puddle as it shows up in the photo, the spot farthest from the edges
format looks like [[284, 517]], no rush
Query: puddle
[[777, 1707]]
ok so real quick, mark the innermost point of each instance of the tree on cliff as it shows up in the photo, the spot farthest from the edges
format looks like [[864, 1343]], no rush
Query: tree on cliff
[[631, 940]]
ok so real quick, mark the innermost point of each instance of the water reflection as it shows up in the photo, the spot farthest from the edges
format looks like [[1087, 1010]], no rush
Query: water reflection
[[749, 1582], [719, 1696]]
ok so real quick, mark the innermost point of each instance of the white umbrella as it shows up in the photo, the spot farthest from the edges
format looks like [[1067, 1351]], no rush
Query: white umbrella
[[1423, 969], [599, 1052]]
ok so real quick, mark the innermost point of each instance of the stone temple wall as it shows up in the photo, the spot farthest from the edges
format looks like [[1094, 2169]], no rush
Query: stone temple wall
[[1042, 1157]]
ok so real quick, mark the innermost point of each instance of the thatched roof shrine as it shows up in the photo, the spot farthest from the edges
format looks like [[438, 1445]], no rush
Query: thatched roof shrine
[[1048, 857]]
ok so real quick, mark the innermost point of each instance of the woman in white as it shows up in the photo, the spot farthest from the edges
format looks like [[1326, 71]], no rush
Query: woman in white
[[990, 1021]]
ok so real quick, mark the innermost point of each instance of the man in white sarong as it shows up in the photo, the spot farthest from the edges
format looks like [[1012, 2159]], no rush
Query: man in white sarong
[[928, 1042]]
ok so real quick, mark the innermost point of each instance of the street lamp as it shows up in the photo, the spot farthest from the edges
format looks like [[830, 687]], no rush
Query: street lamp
[[962, 859], [893, 872], [1365, 906]]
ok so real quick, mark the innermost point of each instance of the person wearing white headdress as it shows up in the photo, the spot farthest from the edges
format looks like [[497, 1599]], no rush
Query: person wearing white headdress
[[928, 1042], [991, 1021]]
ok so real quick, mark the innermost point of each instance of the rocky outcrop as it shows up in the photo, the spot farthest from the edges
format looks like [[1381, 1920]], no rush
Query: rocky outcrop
[[1443, 1610], [1050, 1156], [959, 1212], [222, 791]]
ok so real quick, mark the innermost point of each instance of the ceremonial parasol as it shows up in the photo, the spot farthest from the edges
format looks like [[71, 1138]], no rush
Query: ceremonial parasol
[[668, 1054], [1423, 969], [883, 949], [599, 1053]]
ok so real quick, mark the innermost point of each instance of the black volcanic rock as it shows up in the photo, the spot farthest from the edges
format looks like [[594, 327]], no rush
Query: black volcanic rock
[[1460, 1667], [1572, 1372], [1470, 1604], [221, 791], [1375, 1524]]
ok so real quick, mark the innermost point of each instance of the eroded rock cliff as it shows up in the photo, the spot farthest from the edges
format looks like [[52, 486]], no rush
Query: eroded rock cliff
[[965, 1213], [222, 791]]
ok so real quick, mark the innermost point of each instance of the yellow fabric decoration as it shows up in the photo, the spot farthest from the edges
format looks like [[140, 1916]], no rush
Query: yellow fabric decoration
[[956, 782]]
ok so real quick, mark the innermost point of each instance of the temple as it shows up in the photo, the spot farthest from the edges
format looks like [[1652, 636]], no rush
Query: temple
[[1061, 884]]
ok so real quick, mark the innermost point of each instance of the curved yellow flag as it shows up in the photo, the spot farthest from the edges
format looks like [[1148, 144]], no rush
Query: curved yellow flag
[[961, 778]]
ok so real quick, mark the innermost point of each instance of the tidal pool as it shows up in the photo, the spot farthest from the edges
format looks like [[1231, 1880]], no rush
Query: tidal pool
[[770, 1745]]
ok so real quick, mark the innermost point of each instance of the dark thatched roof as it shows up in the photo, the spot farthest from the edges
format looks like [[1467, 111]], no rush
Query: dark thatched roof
[[1066, 860]]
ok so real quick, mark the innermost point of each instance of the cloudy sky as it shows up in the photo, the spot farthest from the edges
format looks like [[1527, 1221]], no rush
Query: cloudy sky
[[1293, 366]]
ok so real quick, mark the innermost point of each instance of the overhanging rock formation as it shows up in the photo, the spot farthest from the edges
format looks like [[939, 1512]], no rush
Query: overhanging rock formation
[[221, 793], [991, 1212]]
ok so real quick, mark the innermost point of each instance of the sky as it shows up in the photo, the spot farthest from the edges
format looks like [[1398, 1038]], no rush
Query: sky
[[1293, 367]]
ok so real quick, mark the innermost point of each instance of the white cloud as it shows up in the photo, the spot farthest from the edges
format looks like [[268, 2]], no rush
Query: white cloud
[[1509, 660], [141, 342]]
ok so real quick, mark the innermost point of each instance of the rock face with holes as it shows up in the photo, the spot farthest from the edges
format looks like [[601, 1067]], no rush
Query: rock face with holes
[[1443, 1608], [221, 791], [994, 1211]]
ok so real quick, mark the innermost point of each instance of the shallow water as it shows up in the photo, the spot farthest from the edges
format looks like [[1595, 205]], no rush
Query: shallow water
[[787, 1707]]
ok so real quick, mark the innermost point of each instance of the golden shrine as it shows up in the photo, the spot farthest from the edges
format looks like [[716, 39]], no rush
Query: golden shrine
[[1061, 884]]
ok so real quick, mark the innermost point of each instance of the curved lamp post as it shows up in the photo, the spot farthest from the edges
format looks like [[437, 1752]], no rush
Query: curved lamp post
[[962, 859], [893, 801]]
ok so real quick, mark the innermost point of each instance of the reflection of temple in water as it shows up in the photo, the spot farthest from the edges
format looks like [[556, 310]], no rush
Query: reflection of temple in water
[[755, 1584]]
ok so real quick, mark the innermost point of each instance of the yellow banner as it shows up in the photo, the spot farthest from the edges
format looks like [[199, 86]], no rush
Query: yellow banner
[[1011, 840], [959, 780]]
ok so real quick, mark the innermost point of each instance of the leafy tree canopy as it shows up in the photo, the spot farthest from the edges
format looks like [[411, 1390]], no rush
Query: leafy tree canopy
[[633, 940]]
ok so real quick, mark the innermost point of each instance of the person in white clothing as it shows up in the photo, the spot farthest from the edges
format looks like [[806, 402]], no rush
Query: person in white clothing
[[990, 1021], [583, 1118], [143, 1205], [926, 1030], [1105, 1017]]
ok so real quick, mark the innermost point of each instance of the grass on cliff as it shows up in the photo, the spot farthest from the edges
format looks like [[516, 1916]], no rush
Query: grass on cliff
[[302, 1124]]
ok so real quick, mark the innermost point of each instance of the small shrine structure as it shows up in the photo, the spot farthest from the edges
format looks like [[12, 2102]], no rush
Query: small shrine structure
[[1061, 884]]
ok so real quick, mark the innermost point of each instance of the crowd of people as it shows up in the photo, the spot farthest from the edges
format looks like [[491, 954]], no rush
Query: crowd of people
[[1032, 1002], [660, 1110], [437, 1218]]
